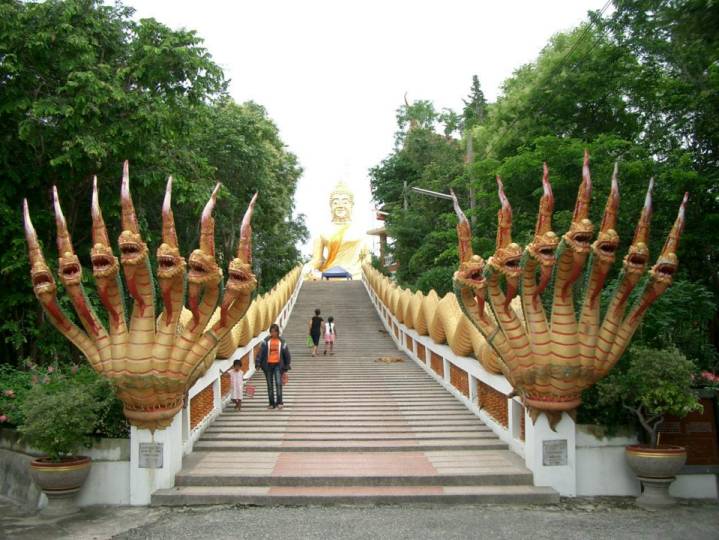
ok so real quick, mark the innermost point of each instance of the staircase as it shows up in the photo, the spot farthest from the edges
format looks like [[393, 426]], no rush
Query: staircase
[[353, 430]]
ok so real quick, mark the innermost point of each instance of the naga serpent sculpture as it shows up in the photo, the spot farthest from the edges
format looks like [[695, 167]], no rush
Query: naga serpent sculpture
[[152, 361], [550, 360]]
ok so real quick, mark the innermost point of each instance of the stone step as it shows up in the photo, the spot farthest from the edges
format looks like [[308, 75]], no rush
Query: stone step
[[354, 415], [229, 434], [354, 445], [323, 495], [348, 430], [407, 467]]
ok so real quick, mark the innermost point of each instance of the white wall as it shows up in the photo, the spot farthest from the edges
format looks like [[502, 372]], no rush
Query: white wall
[[602, 470]]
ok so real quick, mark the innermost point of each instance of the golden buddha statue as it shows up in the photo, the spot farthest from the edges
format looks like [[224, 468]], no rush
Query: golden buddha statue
[[342, 245]]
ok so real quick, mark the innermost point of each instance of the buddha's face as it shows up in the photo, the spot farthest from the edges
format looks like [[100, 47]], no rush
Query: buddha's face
[[341, 207]]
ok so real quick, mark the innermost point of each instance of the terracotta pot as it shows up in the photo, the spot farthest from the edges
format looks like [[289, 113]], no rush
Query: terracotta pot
[[61, 478], [656, 469]]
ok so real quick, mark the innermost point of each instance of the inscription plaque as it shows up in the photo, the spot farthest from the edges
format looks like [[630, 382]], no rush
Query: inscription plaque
[[554, 453], [150, 456]]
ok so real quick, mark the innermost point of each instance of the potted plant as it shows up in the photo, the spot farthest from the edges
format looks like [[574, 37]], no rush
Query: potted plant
[[59, 415], [656, 382]]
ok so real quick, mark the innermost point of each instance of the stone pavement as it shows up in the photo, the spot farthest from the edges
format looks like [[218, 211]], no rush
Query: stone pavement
[[353, 430], [607, 518]]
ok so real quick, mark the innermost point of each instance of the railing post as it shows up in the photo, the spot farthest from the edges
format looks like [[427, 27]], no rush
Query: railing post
[[551, 454], [155, 458]]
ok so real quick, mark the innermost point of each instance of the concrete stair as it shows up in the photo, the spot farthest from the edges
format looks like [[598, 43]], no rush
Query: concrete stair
[[353, 430]]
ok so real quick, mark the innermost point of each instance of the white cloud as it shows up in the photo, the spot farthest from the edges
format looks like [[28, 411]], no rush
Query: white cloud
[[332, 74]]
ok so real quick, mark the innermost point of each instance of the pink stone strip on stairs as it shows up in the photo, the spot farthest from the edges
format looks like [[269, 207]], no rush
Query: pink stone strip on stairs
[[353, 430]]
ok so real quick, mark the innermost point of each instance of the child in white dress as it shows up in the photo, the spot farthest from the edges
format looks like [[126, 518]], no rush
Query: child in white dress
[[237, 383]]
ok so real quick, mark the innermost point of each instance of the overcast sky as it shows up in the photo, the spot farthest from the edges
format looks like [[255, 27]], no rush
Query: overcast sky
[[332, 74]]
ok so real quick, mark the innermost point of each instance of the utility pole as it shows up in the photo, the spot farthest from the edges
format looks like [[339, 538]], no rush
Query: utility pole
[[468, 160], [404, 194]]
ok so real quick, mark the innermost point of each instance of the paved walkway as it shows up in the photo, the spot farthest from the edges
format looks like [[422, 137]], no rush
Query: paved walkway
[[615, 518], [353, 429]]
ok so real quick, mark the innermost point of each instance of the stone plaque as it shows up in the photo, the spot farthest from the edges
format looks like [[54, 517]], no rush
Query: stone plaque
[[150, 455], [554, 453], [699, 427]]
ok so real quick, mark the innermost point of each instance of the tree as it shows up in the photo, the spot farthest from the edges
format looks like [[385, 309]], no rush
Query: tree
[[632, 88], [475, 106], [84, 87]]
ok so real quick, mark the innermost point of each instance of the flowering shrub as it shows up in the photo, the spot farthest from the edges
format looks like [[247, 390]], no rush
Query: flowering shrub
[[707, 379]]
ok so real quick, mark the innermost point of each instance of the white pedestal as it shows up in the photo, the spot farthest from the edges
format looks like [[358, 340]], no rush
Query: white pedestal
[[143, 480], [552, 455]]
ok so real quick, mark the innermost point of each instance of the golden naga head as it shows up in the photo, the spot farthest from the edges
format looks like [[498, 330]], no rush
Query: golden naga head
[[203, 267], [151, 366], [580, 232], [666, 266], [545, 241], [607, 242], [635, 261], [133, 250], [170, 263], [104, 262], [43, 284], [69, 268], [507, 254], [240, 279], [471, 267], [551, 357]]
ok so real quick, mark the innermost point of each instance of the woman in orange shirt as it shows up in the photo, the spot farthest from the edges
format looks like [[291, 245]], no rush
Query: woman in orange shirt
[[274, 361]]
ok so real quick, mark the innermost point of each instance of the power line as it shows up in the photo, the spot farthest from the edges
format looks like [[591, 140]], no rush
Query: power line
[[557, 69]]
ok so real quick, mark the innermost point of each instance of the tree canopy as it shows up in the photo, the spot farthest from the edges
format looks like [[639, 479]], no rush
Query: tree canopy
[[639, 87], [84, 87]]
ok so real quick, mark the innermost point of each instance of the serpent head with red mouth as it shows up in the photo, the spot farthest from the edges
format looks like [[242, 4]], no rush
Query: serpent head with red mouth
[[43, 283], [104, 263], [470, 274], [133, 251], [543, 246], [170, 263], [240, 280], [605, 246], [203, 269], [579, 236], [667, 263], [69, 268], [635, 261], [507, 254]]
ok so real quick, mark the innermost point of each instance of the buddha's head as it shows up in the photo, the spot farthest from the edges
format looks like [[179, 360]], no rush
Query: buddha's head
[[341, 203]]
